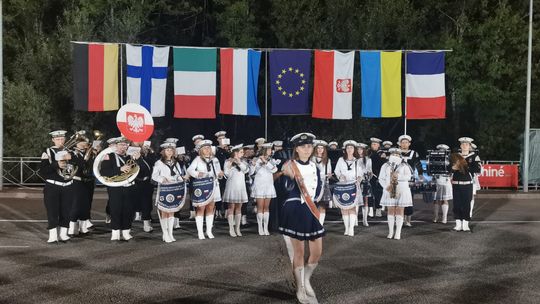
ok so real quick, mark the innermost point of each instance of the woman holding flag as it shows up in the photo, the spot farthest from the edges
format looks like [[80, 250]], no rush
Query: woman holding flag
[[299, 219]]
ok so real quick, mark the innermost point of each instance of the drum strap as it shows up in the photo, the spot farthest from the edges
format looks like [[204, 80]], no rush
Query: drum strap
[[300, 182]]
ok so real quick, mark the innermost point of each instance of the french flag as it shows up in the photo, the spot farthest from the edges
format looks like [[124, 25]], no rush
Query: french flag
[[424, 85], [239, 81]]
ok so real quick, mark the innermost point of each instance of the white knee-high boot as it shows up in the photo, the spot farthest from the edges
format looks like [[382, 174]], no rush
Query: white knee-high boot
[[170, 226], [260, 223], [357, 208], [365, 215], [165, 229], [237, 222], [230, 219], [458, 226], [53, 235], [299, 276], [444, 208], [266, 219], [308, 271], [321, 218], [209, 226], [199, 221], [391, 222], [353, 221], [346, 223], [399, 224], [435, 212]]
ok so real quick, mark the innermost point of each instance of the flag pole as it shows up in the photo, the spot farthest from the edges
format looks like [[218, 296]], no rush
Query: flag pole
[[405, 111], [1, 104], [266, 96], [528, 105], [121, 77]]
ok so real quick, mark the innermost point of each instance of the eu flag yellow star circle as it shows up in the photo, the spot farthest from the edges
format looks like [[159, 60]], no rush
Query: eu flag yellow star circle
[[292, 76]]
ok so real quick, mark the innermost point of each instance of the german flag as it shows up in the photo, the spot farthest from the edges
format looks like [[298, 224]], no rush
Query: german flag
[[95, 76]]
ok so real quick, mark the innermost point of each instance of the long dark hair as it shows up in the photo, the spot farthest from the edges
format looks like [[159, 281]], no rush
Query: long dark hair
[[355, 153], [324, 158], [460, 162]]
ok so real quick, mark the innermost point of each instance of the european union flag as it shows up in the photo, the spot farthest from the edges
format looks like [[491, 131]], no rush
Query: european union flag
[[289, 81]]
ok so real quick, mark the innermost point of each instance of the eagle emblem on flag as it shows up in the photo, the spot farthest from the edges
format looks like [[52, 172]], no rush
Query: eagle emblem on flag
[[343, 85], [135, 122]]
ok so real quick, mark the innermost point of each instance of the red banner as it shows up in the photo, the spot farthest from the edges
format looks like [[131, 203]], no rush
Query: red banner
[[499, 176]]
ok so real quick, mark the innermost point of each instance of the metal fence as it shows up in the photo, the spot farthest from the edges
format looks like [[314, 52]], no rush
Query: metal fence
[[23, 171]]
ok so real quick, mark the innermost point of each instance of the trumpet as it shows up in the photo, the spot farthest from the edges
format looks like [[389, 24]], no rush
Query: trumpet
[[98, 135]]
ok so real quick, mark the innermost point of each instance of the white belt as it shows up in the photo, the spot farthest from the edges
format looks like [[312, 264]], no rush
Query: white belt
[[59, 183], [77, 178], [461, 183], [129, 184]]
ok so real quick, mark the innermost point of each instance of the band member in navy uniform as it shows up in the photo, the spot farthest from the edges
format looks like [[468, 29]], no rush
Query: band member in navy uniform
[[112, 144], [367, 168], [80, 210], [299, 215], [334, 153], [235, 169], [143, 183], [347, 170], [462, 191], [386, 145], [168, 170], [443, 192], [121, 199], [201, 167], [222, 154], [58, 192], [473, 162], [378, 158], [413, 159], [263, 191], [320, 158], [394, 179]]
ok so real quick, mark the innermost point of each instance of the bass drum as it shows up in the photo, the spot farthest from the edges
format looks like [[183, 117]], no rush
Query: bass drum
[[346, 194]]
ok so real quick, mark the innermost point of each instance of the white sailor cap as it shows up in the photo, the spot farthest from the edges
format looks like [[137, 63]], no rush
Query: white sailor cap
[[402, 137], [60, 155], [277, 143], [267, 145], [465, 140], [220, 133], [302, 139], [204, 142], [320, 142], [112, 140], [375, 139], [333, 143], [443, 147], [58, 133], [237, 147], [260, 140], [168, 144], [394, 151], [387, 143], [474, 146], [198, 136], [122, 139], [362, 145], [349, 143], [249, 147], [171, 140]]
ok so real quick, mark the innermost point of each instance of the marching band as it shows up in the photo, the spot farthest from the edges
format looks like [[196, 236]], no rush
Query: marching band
[[303, 178]]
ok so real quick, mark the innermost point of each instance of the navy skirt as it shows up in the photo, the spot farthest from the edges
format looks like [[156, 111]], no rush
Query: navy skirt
[[298, 222]]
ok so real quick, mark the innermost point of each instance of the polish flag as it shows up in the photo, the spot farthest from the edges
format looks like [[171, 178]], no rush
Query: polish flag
[[425, 89], [332, 96]]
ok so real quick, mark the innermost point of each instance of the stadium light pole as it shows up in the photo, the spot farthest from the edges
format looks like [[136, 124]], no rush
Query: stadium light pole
[[528, 105]]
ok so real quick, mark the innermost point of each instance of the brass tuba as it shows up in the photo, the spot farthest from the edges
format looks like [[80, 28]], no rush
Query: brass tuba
[[117, 180]]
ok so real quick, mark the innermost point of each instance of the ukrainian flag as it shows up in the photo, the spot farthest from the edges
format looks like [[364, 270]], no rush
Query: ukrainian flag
[[381, 84]]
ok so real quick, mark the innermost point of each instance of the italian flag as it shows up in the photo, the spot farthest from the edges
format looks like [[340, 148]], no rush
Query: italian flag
[[194, 82], [332, 92]]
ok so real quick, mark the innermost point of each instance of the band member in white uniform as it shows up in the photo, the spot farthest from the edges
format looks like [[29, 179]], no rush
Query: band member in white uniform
[[263, 191], [473, 162], [299, 215], [443, 192], [394, 179], [205, 165], [365, 163], [347, 169], [192, 155], [168, 170], [235, 189], [320, 157], [413, 159]]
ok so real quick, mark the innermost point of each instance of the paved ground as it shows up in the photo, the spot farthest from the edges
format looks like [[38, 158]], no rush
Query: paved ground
[[498, 263]]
